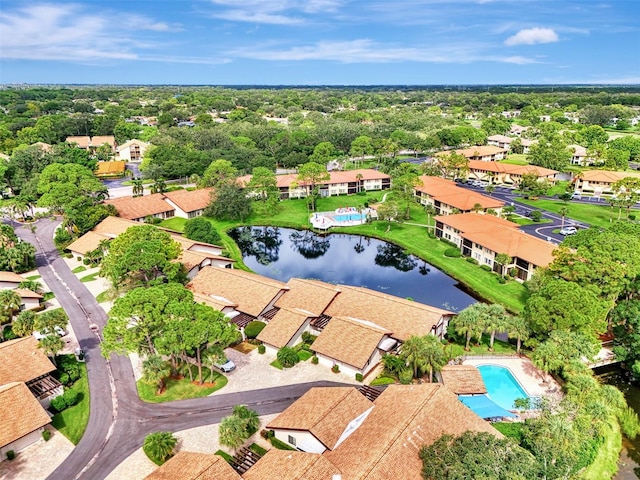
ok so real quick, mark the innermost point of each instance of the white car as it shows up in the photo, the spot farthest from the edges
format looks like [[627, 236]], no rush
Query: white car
[[568, 231], [40, 335], [226, 365]]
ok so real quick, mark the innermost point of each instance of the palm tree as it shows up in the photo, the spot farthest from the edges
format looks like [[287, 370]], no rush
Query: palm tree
[[138, 187], [32, 285], [503, 260], [159, 186], [10, 303], [392, 364], [159, 446], [430, 210], [155, 370], [563, 212], [412, 352], [468, 323], [434, 355], [490, 188], [51, 345], [495, 319], [359, 179], [517, 328]]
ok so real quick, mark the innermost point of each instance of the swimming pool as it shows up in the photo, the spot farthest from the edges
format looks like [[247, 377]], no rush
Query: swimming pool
[[502, 387], [351, 217]]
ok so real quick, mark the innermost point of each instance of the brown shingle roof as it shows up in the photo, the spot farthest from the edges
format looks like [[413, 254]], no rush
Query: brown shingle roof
[[349, 340], [21, 361], [403, 318], [87, 243], [26, 293], [290, 465], [20, 413], [480, 150], [11, 277], [323, 411], [190, 201], [463, 379], [283, 326], [219, 303], [140, 207], [194, 466], [114, 226], [252, 293], [404, 419], [311, 295], [191, 259], [110, 168]]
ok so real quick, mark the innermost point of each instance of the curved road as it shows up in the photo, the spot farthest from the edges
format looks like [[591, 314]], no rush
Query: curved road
[[119, 420]]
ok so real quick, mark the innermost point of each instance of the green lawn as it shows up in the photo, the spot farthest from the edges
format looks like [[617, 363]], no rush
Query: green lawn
[[79, 269], [73, 421], [34, 277], [103, 296], [175, 223], [598, 215], [181, 389], [516, 159], [90, 278], [304, 355], [454, 350], [526, 221], [48, 296], [276, 363]]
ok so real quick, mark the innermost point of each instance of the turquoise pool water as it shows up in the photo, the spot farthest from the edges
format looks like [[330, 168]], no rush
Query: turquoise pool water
[[502, 387], [350, 217]]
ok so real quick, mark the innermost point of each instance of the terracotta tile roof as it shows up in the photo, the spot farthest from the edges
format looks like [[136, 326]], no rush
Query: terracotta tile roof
[[87, 242], [283, 326], [11, 277], [478, 150], [114, 226], [348, 176], [251, 292], [194, 466], [311, 295], [472, 222], [463, 379], [349, 340], [404, 419], [403, 318], [323, 411], [291, 465], [448, 192], [606, 176], [21, 361], [140, 207], [190, 201], [26, 293], [509, 169], [15, 397], [110, 168], [501, 236]]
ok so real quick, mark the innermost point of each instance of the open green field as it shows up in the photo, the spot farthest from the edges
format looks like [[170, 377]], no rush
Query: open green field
[[597, 215], [411, 235]]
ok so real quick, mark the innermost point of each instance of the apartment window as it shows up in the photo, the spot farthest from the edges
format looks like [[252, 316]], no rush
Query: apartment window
[[487, 261], [292, 440], [477, 256]]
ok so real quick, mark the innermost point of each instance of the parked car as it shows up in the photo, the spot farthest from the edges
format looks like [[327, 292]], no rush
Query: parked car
[[39, 335], [225, 365], [568, 231], [576, 196]]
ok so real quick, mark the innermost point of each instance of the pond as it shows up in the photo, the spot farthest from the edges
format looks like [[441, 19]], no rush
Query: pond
[[283, 253]]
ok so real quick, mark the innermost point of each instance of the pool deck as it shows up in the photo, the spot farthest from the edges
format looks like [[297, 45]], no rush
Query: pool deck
[[529, 377], [326, 220]]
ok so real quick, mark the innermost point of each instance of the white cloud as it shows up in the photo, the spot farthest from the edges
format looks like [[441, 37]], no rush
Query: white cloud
[[276, 12], [257, 17], [368, 51], [532, 36]]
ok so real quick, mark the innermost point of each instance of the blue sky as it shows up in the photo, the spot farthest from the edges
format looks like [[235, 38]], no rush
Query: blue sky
[[320, 42]]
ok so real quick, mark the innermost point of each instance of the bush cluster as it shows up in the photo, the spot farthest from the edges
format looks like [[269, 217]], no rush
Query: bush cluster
[[486, 268], [287, 357], [359, 377], [68, 399], [472, 260], [261, 349], [335, 368], [253, 329], [452, 252]]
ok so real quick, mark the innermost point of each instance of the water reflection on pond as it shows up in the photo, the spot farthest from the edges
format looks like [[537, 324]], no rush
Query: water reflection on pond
[[283, 253]]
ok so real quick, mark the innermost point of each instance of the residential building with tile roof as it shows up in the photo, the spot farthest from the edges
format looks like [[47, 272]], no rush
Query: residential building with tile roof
[[340, 183], [483, 237], [384, 440], [194, 466], [22, 418], [317, 421], [483, 153], [92, 143], [310, 295], [189, 203], [139, 208], [463, 379], [447, 197], [132, 150], [285, 328], [581, 157], [353, 344], [10, 280], [507, 174], [598, 182], [253, 294], [502, 141]]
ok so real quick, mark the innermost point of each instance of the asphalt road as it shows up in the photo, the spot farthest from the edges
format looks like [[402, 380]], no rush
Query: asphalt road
[[119, 420]]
